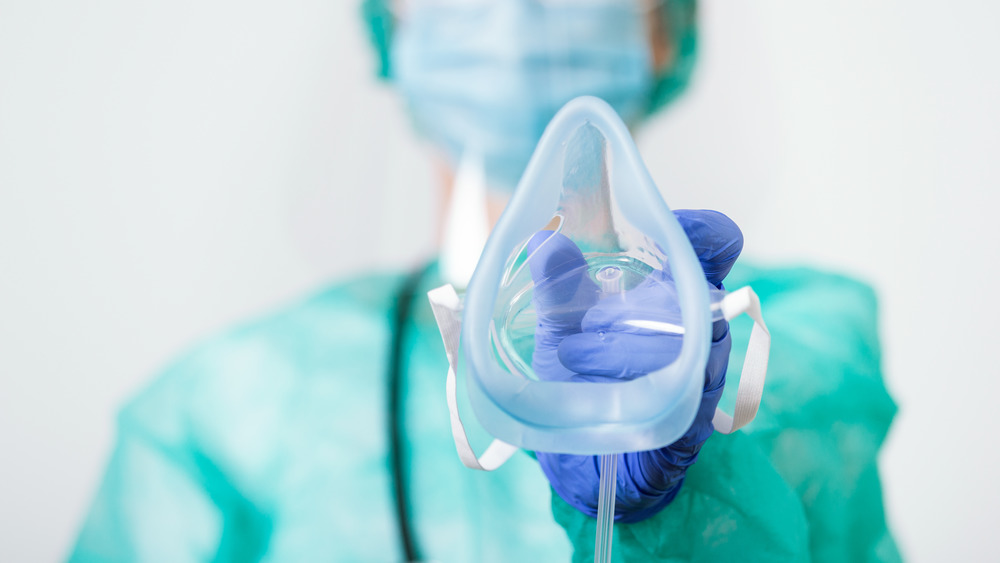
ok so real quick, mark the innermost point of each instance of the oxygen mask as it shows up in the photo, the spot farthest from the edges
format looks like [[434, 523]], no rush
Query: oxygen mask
[[587, 324]]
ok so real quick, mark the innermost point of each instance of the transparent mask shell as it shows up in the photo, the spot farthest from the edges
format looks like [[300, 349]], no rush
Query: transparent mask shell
[[586, 232], [616, 259]]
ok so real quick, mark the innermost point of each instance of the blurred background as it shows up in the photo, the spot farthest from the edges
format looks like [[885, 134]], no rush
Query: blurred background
[[170, 168]]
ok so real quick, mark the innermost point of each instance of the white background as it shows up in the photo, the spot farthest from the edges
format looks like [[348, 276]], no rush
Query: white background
[[169, 168]]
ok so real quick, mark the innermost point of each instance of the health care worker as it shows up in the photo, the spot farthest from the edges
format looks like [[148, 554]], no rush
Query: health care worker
[[320, 432]]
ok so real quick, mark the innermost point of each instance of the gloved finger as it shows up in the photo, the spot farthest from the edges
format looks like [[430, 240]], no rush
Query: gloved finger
[[563, 291], [617, 354], [654, 300], [716, 239]]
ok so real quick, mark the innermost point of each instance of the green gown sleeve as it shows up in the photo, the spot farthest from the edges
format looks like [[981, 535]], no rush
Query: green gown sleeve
[[269, 443], [160, 500], [827, 411]]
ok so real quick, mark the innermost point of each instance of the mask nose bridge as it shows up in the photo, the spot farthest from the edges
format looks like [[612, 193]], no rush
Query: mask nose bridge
[[586, 201]]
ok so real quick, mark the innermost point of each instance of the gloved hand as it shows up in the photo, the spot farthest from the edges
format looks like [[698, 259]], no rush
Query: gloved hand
[[577, 339]]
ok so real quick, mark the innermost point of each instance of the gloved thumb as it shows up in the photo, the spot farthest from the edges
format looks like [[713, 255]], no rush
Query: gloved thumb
[[563, 291], [716, 239]]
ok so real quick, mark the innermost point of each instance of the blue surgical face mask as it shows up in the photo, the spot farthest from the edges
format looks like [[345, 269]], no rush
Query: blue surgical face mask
[[486, 77]]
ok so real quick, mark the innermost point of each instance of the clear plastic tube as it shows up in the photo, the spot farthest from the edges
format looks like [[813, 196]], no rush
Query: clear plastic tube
[[610, 279], [606, 508]]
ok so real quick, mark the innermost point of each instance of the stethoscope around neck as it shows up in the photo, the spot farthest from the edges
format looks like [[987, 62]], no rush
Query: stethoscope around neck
[[397, 371]]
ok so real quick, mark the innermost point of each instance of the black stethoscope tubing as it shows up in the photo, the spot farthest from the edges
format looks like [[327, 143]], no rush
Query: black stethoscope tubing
[[402, 311]]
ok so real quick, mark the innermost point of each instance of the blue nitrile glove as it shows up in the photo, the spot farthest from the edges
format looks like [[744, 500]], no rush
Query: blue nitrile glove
[[567, 345]]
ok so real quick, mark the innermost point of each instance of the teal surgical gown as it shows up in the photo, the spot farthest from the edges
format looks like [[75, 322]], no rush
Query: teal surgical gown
[[270, 442]]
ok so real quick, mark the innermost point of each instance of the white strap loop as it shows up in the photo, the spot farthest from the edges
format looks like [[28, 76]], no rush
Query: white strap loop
[[448, 312], [751, 388]]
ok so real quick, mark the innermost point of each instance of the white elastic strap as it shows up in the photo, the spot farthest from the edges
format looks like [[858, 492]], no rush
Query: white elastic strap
[[447, 311], [751, 388]]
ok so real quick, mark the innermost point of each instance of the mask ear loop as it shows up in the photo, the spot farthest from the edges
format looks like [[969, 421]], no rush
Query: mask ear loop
[[751, 387], [447, 309]]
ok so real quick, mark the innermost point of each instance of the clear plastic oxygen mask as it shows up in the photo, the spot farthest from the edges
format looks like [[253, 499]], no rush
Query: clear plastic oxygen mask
[[587, 324], [592, 337]]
